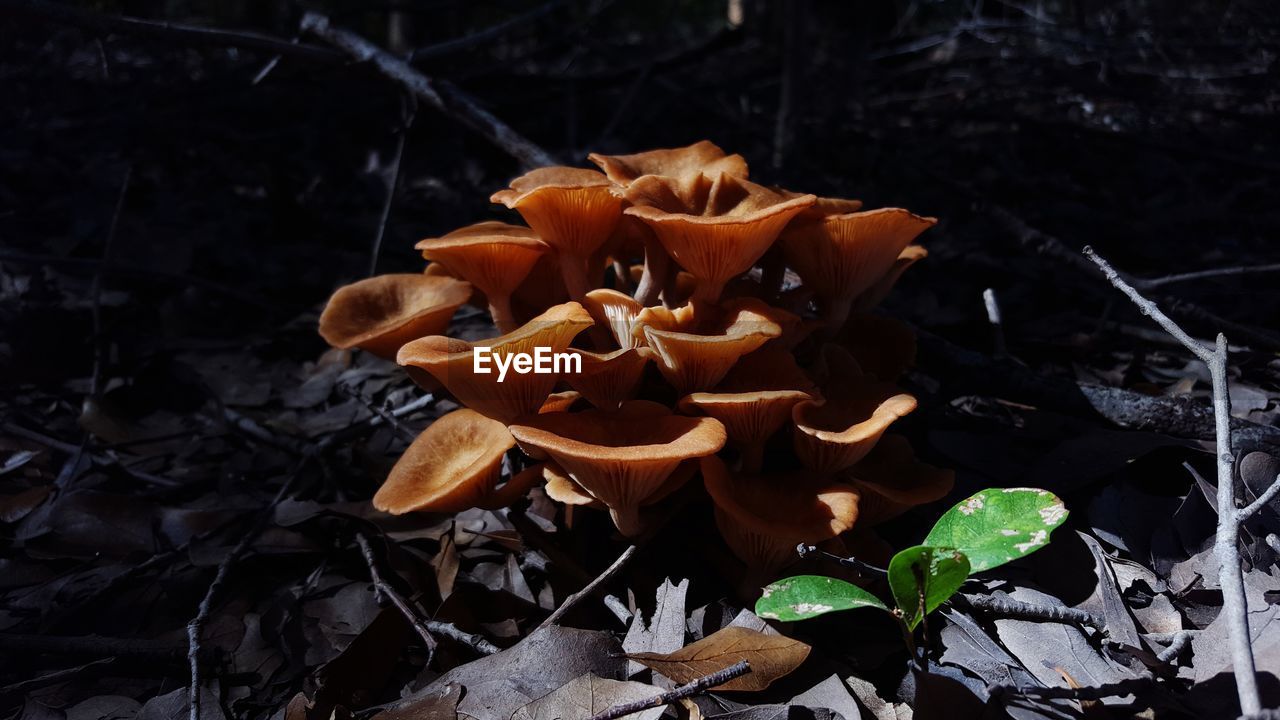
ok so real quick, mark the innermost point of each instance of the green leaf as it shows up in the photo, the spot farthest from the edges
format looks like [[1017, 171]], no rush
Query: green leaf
[[807, 596], [999, 525], [925, 575]]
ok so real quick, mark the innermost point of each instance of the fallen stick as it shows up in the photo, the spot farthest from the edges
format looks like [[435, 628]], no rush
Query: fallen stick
[[440, 95], [693, 687], [1235, 607], [591, 587]]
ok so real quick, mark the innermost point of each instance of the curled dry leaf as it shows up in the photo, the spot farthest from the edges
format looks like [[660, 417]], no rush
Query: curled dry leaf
[[770, 656]]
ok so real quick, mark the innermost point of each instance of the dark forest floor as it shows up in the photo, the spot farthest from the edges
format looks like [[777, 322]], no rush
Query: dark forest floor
[[172, 223]]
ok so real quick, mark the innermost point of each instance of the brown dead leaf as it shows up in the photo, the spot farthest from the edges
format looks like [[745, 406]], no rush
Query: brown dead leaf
[[771, 657]]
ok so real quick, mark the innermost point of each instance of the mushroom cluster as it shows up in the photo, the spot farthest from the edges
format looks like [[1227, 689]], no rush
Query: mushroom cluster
[[720, 328]]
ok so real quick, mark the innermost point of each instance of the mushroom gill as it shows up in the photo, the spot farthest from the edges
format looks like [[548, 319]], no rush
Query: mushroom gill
[[382, 313], [749, 418], [692, 362]]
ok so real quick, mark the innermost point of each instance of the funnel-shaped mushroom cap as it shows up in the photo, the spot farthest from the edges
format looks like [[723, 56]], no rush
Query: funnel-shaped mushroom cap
[[492, 256], [384, 312], [833, 435], [872, 297], [571, 209], [843, 256], [701, 157], [697, 362], [608, 379], [822, 207], [560, 402], [452, 466], [615, 311], [715, 228], [453, 363], [621, 458], [769, 368], [892, 480], [764, 517], [749, 418]]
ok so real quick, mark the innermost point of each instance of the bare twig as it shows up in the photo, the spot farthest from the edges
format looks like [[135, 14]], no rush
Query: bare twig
[[393, 179], [1122, 687], [997, 323], [1260, 502], [479, 37], [1177, 644], [591, 587], [205, 609], [619, 610], [854, 563], [1235, 607], [1028, 611], [1150, 283], [440, 95], [693, 687], [359, 429]]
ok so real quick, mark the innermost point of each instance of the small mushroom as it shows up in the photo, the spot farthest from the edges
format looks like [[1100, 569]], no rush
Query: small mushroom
[[451, 361], [452, 466], [832, 435], [693, 362], [764, 517], [749, 418], [624, 458], [703, 157], [716, 228], [844, 256], [609, 379], [573, 210], [494, 257], [893, 481], [381, 313], [615, 311]]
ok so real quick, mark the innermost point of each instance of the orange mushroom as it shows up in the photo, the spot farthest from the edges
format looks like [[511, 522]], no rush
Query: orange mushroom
[[381, 313], [607, 380], [716, 228], [452, 362], [832, 435], [844, 256], [764, 517], [693, 362], [453, 465], [749, 418], [494, 257], [624, 458], [909, 256], [891, 481], [703, 157], [573, 210]]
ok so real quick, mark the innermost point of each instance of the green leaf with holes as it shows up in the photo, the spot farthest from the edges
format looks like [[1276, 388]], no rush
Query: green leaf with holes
[[999, 525], [807, 596], [923, 577]]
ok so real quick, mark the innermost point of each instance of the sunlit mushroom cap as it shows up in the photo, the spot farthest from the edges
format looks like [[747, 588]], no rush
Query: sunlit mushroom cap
[[892, 480], [693, 362], [608, 379], [615, 311], [492, 256], [563, 489], [701, 157], [451, 466], [621, 458], [715, 228], [749, 418], [382, 313], [843, 256], [764, 517], [571, 209], [831, 436], [451, 362]]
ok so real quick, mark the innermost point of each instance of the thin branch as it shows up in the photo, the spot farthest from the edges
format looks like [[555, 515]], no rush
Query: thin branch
[[438, 94], [1115, 689], [854, 563], [448, 47], [392, 181], [591, 587], [619, 610], [1235, 605], [693, 687], [995, 320], [1151, 283], [1028, 611], [1177, 644], [1247, 511]]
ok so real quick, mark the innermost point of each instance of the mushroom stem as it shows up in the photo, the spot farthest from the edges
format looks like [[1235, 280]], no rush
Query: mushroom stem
[[656, 272], [837, 313], [773, 271], [627, 520], [574, 271], [621, 276], [752, 457], [503, 317]]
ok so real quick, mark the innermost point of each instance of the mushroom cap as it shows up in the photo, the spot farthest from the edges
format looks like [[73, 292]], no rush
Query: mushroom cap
[[560, 402], [769, 368], [833, 435], [764, 517], [451, 362], [715, 228], [451, 466], [562, 488], [703, 157], [381, 313], [692, 362], [542, 287], [609, 379], [749, 418], [843, 256], [877, 292], [572, 209], [615, 311], [621, 458], [493, 256], [892, 480]]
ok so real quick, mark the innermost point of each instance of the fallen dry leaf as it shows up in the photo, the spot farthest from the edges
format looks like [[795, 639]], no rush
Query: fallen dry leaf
[[770, 656], [588, 695]]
